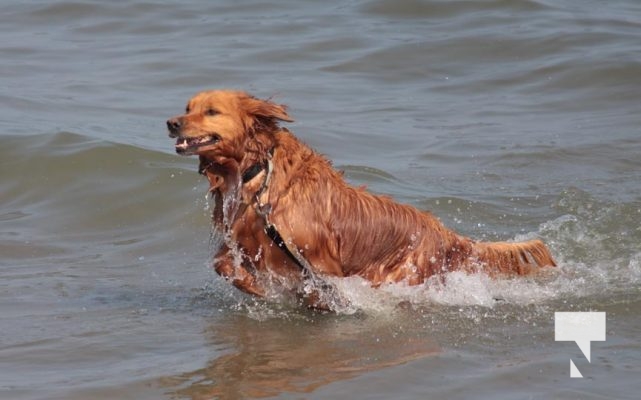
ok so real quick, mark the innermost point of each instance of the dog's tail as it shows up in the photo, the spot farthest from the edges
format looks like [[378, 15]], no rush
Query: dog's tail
[[512, 258]]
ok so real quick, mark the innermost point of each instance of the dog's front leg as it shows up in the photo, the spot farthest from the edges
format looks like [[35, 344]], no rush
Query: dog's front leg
[[239, 276]]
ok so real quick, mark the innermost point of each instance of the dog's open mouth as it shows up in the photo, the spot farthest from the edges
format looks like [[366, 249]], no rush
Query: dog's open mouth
[[189, 146]]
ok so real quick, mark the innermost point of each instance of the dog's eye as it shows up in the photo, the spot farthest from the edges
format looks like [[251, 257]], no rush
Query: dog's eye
[[211, 112], [187, 110]]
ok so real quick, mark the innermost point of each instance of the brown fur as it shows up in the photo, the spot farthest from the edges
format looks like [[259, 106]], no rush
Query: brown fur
[[339, 229]]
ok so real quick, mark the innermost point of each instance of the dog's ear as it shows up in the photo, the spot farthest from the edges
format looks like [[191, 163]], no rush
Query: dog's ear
[[260, 109]]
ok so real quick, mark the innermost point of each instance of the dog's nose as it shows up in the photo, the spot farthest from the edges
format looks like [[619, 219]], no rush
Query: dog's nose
[[174, 125]]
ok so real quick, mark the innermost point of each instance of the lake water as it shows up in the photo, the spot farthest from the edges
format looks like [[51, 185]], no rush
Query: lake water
[[507, 119]]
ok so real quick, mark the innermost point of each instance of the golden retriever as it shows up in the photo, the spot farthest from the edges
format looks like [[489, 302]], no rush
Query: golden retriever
[[288, 218]]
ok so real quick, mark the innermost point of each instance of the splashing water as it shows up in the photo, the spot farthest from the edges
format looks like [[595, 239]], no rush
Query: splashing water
[[231, 203]]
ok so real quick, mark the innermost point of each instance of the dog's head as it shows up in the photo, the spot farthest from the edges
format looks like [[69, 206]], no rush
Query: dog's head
[[219, 123]]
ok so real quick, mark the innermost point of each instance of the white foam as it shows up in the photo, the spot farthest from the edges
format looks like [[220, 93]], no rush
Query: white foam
[[452, 289]]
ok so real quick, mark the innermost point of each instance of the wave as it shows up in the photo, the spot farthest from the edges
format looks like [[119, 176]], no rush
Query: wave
[[69, 194]]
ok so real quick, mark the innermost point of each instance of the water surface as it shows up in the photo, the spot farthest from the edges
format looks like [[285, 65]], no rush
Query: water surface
[[507, 119]]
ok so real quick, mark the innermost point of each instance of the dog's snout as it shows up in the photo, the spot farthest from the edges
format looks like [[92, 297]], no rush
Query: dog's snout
[[174, 125]]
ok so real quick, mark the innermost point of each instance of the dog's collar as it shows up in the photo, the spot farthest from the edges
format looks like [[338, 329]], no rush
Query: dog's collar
[[252, 171], [248, 175]]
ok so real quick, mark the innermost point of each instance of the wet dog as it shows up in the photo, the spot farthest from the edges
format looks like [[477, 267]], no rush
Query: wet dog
[[289, 218]]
